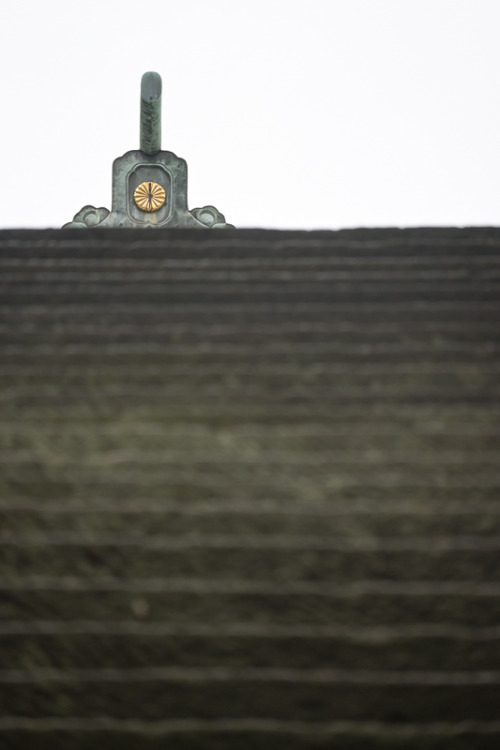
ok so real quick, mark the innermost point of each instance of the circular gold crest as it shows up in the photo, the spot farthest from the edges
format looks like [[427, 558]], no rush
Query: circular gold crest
[[149, 196]]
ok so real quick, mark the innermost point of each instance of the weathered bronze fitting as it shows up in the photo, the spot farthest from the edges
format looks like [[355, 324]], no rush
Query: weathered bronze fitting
[[149, 185]]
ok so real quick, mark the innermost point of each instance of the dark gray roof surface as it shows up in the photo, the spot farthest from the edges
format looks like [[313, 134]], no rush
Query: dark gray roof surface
[[249, 489]]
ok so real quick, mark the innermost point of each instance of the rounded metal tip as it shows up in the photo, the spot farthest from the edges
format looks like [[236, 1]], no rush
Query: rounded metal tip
[[151, 86]]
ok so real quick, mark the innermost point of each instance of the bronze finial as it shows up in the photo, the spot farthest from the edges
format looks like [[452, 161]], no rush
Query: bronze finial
[[149, 185]]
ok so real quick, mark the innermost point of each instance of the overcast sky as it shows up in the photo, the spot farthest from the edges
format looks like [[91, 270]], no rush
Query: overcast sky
[[290, 114]]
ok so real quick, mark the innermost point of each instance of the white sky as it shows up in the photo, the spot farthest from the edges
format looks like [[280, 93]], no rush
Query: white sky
[[290, 114]]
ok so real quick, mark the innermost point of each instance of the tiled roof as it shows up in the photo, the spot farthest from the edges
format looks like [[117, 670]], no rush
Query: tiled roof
[[249, 489]]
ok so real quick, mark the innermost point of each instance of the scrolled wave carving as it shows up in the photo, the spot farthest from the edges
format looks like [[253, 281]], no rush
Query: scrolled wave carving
[[88, 216], [210, 217]]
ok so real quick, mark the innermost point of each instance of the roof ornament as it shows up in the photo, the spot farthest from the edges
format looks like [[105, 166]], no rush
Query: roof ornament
[[149, 185]]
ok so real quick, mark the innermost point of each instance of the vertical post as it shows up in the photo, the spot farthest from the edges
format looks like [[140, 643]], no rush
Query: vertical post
[[151, 113]]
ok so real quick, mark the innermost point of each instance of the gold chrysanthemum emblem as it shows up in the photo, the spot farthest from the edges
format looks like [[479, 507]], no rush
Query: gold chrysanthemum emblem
[[149, 196]]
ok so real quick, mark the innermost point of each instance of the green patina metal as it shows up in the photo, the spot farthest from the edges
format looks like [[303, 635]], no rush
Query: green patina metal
[[149, 166], [151, 113]]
